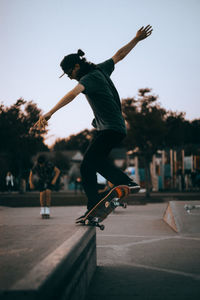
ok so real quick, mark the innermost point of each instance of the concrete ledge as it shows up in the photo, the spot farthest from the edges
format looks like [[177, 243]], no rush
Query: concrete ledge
[[181, 221], [64, 274]]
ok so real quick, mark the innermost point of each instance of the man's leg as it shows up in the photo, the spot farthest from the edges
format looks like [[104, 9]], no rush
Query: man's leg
[[48, 198], [42, 199], [42, 202], [95, 160], [48, 201], [89, 181]]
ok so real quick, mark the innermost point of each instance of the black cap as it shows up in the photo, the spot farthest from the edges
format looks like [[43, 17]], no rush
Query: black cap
[[41, 159]]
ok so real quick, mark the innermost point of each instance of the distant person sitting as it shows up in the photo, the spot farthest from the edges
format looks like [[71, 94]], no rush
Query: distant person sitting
[[47, 175]]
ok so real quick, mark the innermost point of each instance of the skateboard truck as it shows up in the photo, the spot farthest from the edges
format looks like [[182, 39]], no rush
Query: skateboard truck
[[115, 203], [189, 207], [93, 222]]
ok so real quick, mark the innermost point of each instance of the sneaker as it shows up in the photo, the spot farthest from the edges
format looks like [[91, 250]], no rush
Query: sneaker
[[47, 211], [134, 187], [42, 211], [83, 216], [100, 197]]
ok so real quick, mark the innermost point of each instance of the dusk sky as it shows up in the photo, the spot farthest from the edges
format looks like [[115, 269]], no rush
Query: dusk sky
[[35, 36]]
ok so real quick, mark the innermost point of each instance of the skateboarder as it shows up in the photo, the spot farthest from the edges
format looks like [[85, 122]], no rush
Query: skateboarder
[[47, 175], [94, 81]]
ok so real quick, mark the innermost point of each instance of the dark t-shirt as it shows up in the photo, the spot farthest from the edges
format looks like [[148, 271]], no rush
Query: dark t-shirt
[[103, 97], [45, 173]]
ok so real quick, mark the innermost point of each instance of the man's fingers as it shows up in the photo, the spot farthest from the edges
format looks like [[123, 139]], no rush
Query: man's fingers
[[144, 32], [147, 27], [147, 30], [30, 130], [36, 124], [40, 124]]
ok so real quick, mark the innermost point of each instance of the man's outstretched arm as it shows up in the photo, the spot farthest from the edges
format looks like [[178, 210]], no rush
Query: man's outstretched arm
[[142, 34], [70, 96]]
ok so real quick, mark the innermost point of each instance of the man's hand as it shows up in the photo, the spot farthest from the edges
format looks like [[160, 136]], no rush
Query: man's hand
[[57, 173], [53, 182], [32, 187], [143, 33], [42, 122]]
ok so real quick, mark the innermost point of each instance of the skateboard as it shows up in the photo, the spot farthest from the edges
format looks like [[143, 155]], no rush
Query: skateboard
[[104, 207]]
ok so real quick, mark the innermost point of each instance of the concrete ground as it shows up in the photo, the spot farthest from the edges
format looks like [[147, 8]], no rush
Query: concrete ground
[[140, 257], [26, 239]]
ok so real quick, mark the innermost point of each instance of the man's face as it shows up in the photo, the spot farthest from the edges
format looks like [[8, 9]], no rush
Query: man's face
[[41, 165], [72, 73]]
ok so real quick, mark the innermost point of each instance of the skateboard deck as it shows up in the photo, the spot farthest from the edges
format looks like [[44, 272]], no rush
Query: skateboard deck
[[104, 207]]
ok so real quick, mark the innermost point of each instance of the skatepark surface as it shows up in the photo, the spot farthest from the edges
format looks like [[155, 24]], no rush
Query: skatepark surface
[[41, 258], [139, 256], [26, 239], [183, 216]]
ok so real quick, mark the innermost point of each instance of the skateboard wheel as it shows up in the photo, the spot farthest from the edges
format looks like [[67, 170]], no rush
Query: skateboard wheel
[[87, 222], [102, 227], [107, 204]]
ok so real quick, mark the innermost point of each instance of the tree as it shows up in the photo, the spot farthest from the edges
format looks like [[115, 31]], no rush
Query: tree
[[18, 143], [176, 134], [194, 134], [61, 161], [193, 137], [79, 141], [147, 128], [151, 128], [182, 133]]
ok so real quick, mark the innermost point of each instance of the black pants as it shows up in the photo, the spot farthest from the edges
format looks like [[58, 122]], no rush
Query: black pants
[[96, 160]]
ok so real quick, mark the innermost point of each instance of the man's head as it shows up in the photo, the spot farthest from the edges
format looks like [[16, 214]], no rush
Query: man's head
[[75, 65], [41, 160], [71, 64]]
